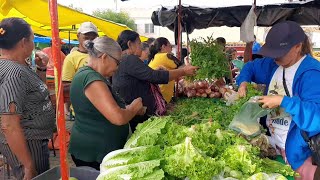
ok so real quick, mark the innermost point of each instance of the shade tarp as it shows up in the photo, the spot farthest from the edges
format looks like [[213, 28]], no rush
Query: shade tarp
[[47, 40], [268, 15], [36, 13]]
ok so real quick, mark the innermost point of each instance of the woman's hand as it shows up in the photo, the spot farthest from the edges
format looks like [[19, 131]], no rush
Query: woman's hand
[[243, 89], [41, 59], [142, 111], [161, 68], [270, 101], [190, 70], [136, 105]]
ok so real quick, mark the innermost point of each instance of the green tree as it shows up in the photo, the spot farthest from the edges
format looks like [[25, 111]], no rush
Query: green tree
[[121, 17], [75, 8]]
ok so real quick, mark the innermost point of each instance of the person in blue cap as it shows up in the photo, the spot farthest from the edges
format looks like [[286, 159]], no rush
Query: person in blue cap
[[291, 75]]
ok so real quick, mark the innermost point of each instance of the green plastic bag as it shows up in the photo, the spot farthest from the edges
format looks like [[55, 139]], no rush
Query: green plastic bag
[[246, 120]]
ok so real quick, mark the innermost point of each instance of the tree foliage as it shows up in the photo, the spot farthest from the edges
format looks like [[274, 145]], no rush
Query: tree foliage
[[75, 8], [121, 17]]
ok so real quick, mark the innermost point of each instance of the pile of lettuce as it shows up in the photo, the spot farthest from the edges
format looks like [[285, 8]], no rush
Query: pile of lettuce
[[163, 149]]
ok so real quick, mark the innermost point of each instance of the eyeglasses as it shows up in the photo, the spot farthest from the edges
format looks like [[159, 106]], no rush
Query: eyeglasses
[[117, 60]]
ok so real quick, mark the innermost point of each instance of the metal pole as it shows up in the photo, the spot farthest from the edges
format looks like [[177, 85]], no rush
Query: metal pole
[[179, 44], [53, 7]]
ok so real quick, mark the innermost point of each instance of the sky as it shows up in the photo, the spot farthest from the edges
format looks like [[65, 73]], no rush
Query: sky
[[90, 5]]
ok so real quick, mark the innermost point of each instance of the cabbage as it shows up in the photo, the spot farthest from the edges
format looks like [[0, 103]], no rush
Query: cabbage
[[184, 160], [135, 171], [147, 132], [130, 156]]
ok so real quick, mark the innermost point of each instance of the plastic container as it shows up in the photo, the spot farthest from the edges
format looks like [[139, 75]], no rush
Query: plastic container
[[81, 173]]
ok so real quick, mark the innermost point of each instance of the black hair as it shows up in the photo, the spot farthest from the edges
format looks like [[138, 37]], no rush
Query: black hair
[[126, 36], [144, 46], [12, 30], [150, 40], [221, 41], [156, 46]]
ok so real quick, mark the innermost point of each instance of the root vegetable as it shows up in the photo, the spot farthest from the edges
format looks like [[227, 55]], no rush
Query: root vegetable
[[217, 94], [212, 95], [208, 91], [222, 90], [198, 94], [204, 95], [201, 91]]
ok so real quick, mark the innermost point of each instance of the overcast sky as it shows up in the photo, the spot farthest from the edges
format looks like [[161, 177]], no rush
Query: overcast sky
[[90, 5]]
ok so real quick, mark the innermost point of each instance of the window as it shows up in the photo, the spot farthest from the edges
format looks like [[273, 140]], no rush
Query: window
[[149, 28]]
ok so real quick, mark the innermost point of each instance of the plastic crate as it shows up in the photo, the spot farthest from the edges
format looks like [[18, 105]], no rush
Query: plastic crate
[[81, 173]]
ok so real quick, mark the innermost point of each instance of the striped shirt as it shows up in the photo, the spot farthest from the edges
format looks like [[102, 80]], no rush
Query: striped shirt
[[23, 87]]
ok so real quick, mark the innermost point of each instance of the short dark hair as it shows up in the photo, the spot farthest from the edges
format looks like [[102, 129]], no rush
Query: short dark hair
[[126, 36], [150, 40], [221, 41], [12, 30], [144, 46]]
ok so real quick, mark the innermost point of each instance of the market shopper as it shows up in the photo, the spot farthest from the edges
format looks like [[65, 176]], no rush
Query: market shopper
[[161, 57], [290, 73], [145, 52], [134, 79], [101, 122], [27, 115], [77, 59]]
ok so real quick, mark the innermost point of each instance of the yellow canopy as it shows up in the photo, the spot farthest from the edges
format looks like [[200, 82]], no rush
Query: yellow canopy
[[36, 13]]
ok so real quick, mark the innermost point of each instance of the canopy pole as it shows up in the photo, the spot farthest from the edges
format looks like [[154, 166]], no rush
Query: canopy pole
[[179, 43], [53, 8]]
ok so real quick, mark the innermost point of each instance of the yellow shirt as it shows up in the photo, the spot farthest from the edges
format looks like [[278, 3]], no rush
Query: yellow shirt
[[72, 63], [161, 59]]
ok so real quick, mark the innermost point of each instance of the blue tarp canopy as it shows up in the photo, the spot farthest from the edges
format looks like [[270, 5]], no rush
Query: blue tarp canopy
[[47, 40]]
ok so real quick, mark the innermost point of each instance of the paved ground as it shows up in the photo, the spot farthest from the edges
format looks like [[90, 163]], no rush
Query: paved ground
[[54, 160]]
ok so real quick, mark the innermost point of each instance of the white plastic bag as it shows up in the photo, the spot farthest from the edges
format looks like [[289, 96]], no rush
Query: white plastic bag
[[247, 27]]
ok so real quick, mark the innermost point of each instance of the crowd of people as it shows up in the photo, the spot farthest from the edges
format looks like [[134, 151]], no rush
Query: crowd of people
[[115, 85]]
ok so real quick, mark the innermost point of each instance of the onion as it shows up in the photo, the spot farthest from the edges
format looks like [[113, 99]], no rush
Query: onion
[[193, 92], [206, 84], [181, 81], [217, 95], [201, 91], [191, 86], [222, 90], [204, 95], [189, 94], [201, 84], [212, 95], [198, 94], [208, 91], [197, 85]]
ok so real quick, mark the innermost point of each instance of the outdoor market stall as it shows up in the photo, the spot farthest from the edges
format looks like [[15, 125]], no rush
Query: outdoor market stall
[[201, 138]]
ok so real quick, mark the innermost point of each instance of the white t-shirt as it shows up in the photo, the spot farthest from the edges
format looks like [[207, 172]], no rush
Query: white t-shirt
[[279, 121]]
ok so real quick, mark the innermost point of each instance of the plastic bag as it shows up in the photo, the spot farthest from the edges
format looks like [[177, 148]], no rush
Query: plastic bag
[[247, 27], [231, 97], [246, 120]]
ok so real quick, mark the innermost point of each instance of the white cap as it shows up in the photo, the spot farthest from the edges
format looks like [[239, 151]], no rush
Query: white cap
[[87, 27]]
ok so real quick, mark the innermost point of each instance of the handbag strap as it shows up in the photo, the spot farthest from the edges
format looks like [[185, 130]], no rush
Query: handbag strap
[[303, 133], [285, 84]]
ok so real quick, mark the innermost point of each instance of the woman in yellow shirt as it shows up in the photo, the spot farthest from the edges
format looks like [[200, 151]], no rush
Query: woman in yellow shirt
[[161, 57]]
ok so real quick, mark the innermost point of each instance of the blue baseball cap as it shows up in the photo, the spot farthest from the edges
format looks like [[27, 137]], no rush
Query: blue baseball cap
[[281, 38]]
